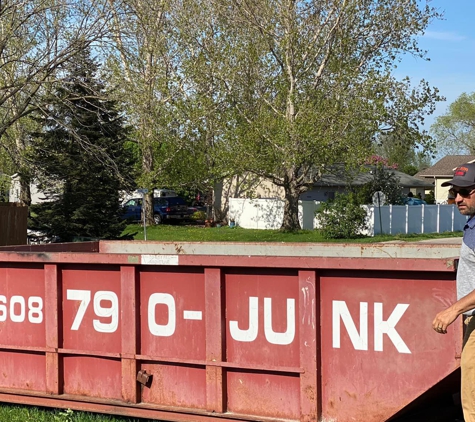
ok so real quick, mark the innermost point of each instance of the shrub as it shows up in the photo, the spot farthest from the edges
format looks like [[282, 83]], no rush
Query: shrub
[[384, 180], [341, 218], [198, 215], [430, 198]]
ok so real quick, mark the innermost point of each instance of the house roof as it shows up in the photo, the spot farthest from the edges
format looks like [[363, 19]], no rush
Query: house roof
[[340, 176], [445, 167]]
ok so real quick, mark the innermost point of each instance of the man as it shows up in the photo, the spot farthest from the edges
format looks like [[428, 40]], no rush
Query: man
[[463, 189]]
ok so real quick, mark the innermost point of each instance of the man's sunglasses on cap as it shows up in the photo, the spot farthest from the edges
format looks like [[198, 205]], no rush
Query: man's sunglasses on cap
[[463, 192]]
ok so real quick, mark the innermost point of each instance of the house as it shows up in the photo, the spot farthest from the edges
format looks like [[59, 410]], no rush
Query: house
[[442, 171], [37, 196], [336, 181]]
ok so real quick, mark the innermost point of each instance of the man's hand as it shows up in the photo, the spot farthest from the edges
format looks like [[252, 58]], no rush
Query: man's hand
[[444, 319]]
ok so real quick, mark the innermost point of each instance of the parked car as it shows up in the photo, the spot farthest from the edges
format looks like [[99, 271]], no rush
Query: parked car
[[164, 209], [414, 201]]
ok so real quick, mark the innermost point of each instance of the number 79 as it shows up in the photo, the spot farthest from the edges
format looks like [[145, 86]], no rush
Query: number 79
[[84, 296]]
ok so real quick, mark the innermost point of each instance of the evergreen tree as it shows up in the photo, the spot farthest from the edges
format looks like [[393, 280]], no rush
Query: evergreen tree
[[81, 157]]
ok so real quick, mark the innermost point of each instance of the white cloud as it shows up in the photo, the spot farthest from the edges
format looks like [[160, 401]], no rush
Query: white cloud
[[444, 36]]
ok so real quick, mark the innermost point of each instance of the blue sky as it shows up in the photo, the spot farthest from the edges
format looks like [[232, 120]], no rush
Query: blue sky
[[451, 48]]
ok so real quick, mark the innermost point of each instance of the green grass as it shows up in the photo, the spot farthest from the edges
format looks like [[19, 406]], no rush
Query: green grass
[[196, 233], [14, 413]]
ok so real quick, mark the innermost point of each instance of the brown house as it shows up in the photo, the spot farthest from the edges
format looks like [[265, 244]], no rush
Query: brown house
[[442, 171]]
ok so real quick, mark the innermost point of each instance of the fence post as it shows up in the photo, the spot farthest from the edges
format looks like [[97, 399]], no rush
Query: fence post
[[453, 216], [438, 218], [422, 217], [407, 218], [390, 218]]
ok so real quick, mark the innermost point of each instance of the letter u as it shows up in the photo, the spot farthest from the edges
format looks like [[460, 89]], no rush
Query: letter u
[[279, 338]]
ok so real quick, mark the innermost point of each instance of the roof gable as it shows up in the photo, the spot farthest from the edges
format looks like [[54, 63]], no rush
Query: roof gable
[[445, 166], [340, 176]]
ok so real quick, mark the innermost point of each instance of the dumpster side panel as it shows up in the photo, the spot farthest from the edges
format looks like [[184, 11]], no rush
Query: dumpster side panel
[[90, 376], [263, 332], [23, 370], [173, 314], [378, 347], [91, 312], [175, 385], [219, 341], [22, 295], [263, 394], [261, 318]]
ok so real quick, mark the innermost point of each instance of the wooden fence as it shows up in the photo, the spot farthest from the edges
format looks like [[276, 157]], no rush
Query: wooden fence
[[13, 224]]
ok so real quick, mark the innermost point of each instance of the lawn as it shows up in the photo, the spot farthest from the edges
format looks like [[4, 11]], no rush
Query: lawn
[[14, 413], [198, 233]]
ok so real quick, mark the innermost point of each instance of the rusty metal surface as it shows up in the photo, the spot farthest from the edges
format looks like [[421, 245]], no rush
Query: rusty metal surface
[[194, 338], [21, 305], [90, 308], [382, 352], [172, 309], [400, 250], [265, 395], [179, 386], [393, 264], [336, 250], [23, 370], [91, 377], [55, 247]]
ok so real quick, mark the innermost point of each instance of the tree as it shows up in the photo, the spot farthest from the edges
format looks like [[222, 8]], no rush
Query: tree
[[209, 119], [82, 131], [454, 131], [146, 67], [36, 38], [384, 180], [401, 152], [309, 83]]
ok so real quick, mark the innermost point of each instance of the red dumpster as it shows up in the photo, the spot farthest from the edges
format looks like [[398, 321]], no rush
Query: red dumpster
[[197, 332]]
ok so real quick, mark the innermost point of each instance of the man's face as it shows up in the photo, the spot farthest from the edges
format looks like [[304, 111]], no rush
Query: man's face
[[465, 199]]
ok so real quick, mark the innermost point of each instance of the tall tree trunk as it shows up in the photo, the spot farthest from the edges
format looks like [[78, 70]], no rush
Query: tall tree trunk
[[291, 205], [25, 191], [147, 167]]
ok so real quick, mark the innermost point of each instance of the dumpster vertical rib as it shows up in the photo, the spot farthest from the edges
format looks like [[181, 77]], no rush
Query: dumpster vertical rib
[[129, 321], [214, 339], [309, 319], [51, 312]]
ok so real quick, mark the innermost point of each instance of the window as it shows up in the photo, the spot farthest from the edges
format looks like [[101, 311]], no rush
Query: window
[[133, 202]]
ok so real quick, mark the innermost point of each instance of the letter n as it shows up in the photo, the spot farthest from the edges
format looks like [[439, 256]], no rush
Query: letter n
[[340, 312]]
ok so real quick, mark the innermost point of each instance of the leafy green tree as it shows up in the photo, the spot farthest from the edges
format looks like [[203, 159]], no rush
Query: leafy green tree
[[145, 65], [402, 152], [309, 84], [5, 183], [454, 131], [342, 217], [82, 157]]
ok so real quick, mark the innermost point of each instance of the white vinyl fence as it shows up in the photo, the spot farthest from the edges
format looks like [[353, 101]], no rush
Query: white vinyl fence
[[388, 219]]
